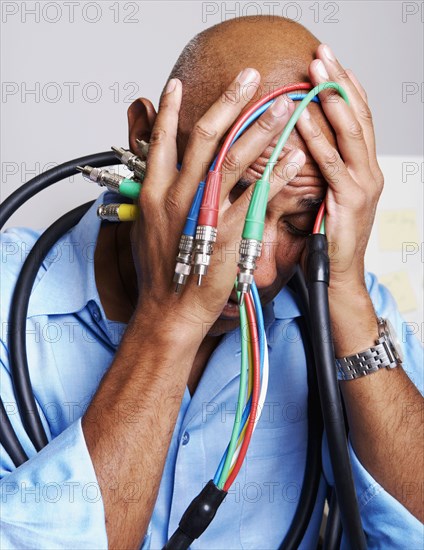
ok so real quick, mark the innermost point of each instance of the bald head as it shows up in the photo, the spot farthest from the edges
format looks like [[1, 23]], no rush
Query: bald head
[[280, 49]]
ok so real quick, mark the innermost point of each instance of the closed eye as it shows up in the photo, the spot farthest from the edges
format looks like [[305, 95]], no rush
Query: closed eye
[[293, 230]]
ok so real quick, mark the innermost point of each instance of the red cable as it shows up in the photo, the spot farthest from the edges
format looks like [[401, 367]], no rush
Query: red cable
[[208, 214], [319, 218], [254, 337]]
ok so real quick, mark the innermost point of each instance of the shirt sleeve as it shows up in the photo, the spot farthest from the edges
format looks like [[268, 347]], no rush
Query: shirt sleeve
[[386, 522], [53, 500]]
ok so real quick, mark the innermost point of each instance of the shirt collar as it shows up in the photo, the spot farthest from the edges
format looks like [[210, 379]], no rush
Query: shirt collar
[[286, 304], [68, 283]]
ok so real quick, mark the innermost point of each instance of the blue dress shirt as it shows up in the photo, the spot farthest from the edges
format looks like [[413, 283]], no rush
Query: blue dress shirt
[[54, 500]]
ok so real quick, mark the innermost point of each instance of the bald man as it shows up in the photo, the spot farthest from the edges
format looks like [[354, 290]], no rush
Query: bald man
[[153, 431]]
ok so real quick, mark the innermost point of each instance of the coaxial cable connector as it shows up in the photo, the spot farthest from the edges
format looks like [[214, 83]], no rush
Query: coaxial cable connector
[[250, 251], [133, 162], [203, 250], [184, 261], [113, 182], [118, 212]]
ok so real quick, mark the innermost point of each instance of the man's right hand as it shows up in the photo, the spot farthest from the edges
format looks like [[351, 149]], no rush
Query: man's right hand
[[167, 195]]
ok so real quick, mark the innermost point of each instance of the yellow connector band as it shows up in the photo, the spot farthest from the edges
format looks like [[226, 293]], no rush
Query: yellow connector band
[[128, 212]]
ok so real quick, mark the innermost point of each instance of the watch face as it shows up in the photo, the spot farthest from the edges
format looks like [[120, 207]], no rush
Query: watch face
[[394, 342]]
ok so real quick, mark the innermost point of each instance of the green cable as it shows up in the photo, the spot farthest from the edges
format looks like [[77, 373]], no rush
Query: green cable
[[255, 218], [322, 226], [241, 396]]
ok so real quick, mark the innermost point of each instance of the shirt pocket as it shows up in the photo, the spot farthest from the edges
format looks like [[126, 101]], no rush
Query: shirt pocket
[[274, 470]]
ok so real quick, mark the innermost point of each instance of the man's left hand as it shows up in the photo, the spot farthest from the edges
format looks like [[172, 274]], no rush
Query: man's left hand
[[354, 178]]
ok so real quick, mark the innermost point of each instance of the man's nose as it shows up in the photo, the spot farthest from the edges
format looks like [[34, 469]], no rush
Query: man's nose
[[266, 271]]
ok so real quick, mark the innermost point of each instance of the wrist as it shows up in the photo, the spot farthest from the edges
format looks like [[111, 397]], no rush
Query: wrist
[[166, 328], [353, 320], [342, 284]]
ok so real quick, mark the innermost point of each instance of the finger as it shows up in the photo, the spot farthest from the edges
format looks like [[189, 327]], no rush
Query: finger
[[327, 158], [357, 85], [285, 171], [357, 98], [210, 129], [349, 132], [365, 114], [249, 147], [162, 159]]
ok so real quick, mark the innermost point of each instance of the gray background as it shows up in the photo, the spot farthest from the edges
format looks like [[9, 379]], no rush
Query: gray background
[[86, 61]]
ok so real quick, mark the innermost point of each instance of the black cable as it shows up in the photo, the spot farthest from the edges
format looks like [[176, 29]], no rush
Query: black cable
[[197, 517], [7, 209], [318, 280], [333, 529], [9, 440], [17, 322], [313, 467], [178, 541], [42, 181]]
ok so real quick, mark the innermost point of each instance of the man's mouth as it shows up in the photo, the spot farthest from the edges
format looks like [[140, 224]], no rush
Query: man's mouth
[[231, 308]]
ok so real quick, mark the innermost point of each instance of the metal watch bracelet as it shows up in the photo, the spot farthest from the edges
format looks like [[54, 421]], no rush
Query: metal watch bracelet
[[384, 354]]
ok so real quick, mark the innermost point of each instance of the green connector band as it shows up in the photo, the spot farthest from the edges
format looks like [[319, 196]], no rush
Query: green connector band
[[254, 223], [255, 217], [130, 188]]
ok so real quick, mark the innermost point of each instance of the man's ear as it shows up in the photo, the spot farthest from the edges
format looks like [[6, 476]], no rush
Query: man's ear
[[141, 118]]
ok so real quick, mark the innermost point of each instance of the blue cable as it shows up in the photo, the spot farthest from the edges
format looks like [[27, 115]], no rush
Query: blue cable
[[191, 221], [260, 320], [193, 215]]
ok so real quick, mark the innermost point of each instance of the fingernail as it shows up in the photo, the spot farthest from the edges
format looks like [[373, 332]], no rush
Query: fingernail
[[328, 52], [247, 75], [170, 87], [306, 114], [321, 70], [279, 107]]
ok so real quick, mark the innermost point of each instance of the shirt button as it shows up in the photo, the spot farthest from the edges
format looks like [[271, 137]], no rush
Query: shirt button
[[95, 312], [186, 438]]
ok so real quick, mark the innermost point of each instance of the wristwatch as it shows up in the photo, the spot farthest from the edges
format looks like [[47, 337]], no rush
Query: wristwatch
[[385, 354]]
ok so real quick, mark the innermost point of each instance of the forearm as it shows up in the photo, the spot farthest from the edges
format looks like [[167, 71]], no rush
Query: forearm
[[384, 409], [129, 424]]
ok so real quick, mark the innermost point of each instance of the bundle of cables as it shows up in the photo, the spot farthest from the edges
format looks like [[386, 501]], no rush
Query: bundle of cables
[[254, 368]]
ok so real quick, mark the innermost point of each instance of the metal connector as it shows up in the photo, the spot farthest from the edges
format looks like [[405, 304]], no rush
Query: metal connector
[[134, 163], [183, 265], [250, 251], [108, 212], [102, 176], [143, 147], [203, 250]]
